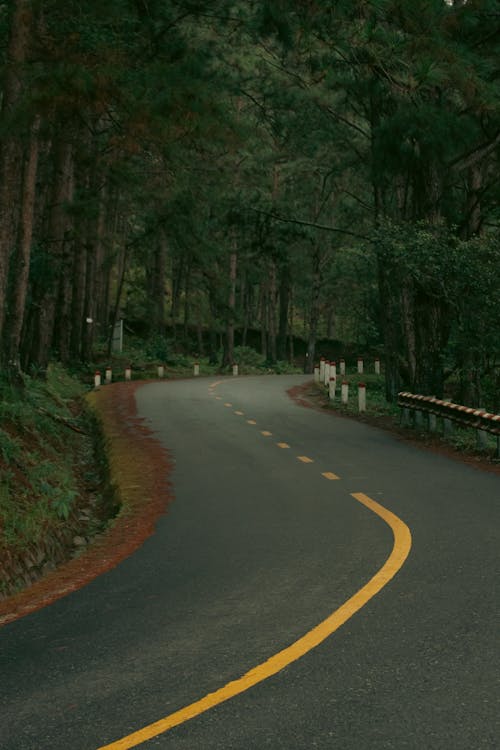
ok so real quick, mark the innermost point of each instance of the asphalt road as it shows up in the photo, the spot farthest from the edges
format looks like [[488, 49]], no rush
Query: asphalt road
[[258, 548]]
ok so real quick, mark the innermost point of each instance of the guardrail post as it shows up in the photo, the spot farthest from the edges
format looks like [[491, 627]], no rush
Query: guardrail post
[[377, 366], [161, 371], [360, 365], [327, 373], [342, 366], [432, 422], [331, 387], [128, 372], [344, 394], [419, 418], [97, 379], [235, 370], [481, 436], [322, 370], [108, 375], [361, 397], [196, 369], [447, 426], [333, 369], [316, 374]]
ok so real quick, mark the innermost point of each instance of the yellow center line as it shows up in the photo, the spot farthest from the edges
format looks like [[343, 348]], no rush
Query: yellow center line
[[330, 475], [305, 459], [266, 433], [219, 398], [229, 405], [240, 413], [282, 445], [277, 662], [251, 421]]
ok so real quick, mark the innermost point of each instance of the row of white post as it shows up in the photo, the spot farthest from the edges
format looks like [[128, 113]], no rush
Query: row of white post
[[326, 374], [108, 373]]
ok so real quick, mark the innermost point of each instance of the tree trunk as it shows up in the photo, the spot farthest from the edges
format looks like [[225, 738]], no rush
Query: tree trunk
[[21, 263], [11, 151], [271, 314], [228, 356], [315, 311], [56, 243], [285, 289]]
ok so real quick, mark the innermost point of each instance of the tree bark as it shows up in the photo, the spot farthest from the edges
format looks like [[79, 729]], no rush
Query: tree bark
[[315, 311], [228, 356], [56, 242], [11, 151], [21, 264]]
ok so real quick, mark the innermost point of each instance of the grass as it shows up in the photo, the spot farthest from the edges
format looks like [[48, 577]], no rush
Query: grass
[[42, 441], [462, 439]]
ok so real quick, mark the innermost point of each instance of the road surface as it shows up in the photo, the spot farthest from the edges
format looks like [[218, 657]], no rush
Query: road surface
[[278, 522]]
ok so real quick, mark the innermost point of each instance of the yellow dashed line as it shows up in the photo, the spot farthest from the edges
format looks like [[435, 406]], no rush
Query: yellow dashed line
[[330, 475], [219, 398], [228, 405], [305, 459], [240, 413], [282, 445], [251, 421], [266, 433]]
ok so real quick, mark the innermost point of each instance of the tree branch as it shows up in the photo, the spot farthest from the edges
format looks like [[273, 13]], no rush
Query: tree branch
[[302, 223]]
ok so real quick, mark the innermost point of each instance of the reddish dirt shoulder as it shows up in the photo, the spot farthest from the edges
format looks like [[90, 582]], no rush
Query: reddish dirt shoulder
[[139, 469]]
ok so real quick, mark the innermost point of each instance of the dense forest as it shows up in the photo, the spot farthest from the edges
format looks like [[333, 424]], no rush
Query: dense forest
[[252, 171]]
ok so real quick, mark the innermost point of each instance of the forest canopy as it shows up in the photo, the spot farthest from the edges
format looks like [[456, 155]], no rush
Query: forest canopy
[[217, 171]]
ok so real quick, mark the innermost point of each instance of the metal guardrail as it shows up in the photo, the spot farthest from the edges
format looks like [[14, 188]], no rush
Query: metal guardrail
[[479, 419]]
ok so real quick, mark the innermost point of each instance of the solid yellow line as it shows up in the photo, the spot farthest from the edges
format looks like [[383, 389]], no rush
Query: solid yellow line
[[305, 459], [329, 475], [266, 433], [395, 561], [282, 445]]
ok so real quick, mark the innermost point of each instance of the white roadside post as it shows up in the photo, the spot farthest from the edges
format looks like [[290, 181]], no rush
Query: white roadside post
[[322, 370], [196, 369], [316, 373], [361, 397], [360, 365], [481, 435], [108, 375], [97, 379], [342, 366], [327, 373], [344, 392], [235, 370], [161, 371], [377, 366], [333, 369], [331, 387], [128, 372]]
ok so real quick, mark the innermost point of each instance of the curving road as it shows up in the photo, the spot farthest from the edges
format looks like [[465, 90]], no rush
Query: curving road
[[275, 526]]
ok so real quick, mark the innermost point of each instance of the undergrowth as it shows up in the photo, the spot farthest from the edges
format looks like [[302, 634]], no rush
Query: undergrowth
[[46, 441]]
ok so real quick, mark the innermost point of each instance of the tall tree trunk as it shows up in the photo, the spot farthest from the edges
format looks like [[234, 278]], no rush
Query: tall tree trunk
[[56, 241], [21, 264], [228, 356], [285, 289], [11, 150], [271, 314], [315, 312], [264, 296]]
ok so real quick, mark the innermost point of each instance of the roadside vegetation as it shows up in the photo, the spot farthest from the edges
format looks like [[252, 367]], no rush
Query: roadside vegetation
[[53, 494]]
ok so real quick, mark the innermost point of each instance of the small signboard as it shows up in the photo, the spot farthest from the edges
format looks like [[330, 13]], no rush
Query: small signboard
[[117, 342]]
